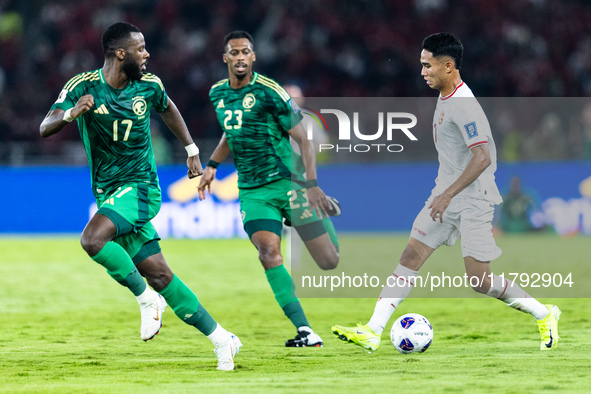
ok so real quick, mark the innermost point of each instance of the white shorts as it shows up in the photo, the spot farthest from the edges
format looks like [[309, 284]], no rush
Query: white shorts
[[468, 217]]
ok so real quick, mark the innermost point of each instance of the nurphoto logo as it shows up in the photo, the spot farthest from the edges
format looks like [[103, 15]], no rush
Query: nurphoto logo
[[390, 125]]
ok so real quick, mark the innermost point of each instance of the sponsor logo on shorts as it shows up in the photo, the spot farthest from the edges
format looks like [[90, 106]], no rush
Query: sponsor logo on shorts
[[307, 214], [420, 231]]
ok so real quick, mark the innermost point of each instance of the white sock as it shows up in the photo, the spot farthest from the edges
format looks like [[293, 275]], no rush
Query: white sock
[[400, 284], [384, 309], [305, 328], [515, 297], [529, 305], [219, 335], [146, 296]]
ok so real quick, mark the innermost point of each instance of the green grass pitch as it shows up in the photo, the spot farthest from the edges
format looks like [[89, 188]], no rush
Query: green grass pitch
[[67, 327]]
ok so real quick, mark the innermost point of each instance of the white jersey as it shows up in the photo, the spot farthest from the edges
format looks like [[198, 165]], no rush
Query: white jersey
[[459, 124]]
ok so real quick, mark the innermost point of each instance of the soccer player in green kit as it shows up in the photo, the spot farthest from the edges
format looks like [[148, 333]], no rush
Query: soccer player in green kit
[[258, 117], [112, 108]]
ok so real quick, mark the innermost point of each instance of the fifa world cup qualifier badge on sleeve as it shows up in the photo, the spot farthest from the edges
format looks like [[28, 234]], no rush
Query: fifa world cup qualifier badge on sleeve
[[471, 130]]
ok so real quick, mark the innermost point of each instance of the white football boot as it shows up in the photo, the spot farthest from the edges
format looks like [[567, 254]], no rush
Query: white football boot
[[152, 311], [226, 352]]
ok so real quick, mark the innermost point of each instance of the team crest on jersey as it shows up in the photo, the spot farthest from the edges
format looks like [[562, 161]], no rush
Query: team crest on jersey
[[249, 101], [441, 117], [139, 105], [471, 130]]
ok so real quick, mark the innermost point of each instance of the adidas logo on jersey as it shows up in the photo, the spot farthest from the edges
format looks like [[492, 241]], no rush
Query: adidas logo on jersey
[[307, 214], [221, 104], [101, 110]]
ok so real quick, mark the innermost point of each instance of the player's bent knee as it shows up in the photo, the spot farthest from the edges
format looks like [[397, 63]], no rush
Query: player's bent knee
[[159, 280], [328, 265], [328, 261], [270, 258], [415, 254], [99, 230], [91, 245], [410, 259]]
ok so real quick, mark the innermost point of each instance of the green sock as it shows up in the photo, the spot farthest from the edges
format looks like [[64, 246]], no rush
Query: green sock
[[281, 284], [119, 265], [186, 306], [296, 314], [202, 321], [332, 233]]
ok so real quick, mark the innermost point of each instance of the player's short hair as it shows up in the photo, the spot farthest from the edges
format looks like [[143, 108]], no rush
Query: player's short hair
[[236, 34], [117, 36], [445, 44]]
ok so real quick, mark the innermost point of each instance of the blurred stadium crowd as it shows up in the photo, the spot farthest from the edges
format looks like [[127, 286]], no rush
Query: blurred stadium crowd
[[330, 48]]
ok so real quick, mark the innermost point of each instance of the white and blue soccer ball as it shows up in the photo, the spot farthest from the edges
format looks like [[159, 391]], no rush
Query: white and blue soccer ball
[[411, 333]]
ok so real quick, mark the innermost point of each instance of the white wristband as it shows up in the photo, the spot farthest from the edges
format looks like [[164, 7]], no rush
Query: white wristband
[[192, 150], [68, 115]]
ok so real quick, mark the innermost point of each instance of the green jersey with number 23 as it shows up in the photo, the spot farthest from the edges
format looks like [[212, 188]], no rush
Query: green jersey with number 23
[[256, 119]]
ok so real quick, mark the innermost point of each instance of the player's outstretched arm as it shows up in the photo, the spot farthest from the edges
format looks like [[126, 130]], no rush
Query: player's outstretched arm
[[56, 119], [175, 122], [316, 196], [219, 155], [478, 163]]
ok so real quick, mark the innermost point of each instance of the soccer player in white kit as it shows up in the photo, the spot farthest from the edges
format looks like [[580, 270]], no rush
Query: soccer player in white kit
[[461, 203]]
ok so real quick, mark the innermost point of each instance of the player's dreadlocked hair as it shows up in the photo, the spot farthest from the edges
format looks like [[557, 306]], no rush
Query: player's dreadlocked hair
[[237, 34], [445, 44], [116, 36]]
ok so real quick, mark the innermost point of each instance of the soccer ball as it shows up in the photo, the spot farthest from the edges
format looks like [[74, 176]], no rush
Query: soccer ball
[[411, 333]]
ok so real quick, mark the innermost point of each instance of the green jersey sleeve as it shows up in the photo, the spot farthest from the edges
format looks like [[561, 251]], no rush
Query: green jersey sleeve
[[160, 98], [281, 105], [73, 90]]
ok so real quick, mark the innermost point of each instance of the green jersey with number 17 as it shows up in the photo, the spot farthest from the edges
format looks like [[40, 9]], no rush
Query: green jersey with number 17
[[256, 119], [116, 131]]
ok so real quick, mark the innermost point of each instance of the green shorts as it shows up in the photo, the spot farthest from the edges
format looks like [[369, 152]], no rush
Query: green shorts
[[264, 208], [130, 208]]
